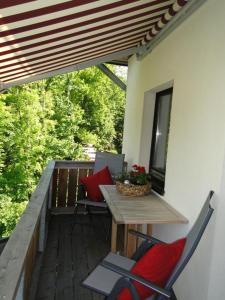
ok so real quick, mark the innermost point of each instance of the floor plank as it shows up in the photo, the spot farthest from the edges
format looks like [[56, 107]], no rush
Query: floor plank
[[76, 243]]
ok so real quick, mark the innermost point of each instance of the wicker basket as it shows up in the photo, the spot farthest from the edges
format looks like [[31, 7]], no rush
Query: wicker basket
[[132, 189]]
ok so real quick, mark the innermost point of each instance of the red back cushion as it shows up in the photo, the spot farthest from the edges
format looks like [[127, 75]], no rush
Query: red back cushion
[[155, 266], [92, 183]]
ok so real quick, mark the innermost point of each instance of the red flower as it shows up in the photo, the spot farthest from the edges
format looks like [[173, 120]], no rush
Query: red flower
[[139, 169], [142, 170]]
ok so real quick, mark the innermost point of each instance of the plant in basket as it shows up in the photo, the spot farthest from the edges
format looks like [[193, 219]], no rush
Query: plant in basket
[[134, 183]]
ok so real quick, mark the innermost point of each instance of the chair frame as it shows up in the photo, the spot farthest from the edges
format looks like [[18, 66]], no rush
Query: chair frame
[[102, 160], [167, 291]]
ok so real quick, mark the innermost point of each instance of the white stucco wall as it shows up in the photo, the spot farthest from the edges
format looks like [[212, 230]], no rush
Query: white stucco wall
[[192, 58]]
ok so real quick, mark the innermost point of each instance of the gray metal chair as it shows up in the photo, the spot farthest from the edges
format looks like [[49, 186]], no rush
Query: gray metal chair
[[115, 163], [113, 273]]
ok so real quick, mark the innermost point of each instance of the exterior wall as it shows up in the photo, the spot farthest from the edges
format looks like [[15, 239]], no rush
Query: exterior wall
[[192, 60]]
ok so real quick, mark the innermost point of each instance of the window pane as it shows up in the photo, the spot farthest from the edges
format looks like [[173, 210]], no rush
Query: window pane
[[161, 135], [160, 132]]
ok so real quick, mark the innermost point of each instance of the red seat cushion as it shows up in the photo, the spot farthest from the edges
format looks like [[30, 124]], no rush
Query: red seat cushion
[[155, 266], [92, 183]]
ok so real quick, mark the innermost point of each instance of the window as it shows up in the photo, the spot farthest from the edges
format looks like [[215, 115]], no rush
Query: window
[[160, 133]]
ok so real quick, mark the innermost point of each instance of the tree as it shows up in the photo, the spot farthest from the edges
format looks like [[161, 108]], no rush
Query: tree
[[53, 119]]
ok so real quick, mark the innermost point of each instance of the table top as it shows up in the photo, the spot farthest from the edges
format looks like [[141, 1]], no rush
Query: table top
[[149, 209]]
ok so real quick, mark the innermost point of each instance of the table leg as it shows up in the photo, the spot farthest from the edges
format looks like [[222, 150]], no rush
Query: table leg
[[113, 236], [131, 241], [149, 229], [125, 239], [139, 240]]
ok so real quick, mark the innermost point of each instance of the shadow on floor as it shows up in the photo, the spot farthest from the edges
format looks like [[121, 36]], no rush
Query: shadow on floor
[[76, 243]]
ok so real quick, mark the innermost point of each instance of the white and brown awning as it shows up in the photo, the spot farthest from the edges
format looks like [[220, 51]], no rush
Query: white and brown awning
[[40, 38]]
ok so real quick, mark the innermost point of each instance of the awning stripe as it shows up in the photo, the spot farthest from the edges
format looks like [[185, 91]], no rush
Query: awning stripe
[[129, 24], [36, 4], [78, 54], [49, 25], [99, 20], [84, 41], [73, 54], [63, 8], [58, 56], [8, 3], [58, 15], [50, 62], [104, 36], [172, 11], [65, 18], [44, 11], [47, 35], [69, 64], [75, 59]]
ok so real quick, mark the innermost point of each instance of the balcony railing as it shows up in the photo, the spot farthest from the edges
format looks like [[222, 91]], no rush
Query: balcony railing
[[58, 189]]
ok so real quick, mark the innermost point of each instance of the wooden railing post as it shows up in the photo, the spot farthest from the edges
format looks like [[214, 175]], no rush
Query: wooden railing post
[[65, 184], [42, 230], [50, 195]]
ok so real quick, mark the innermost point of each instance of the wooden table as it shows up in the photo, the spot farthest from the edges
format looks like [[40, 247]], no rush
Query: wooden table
[[135, 212]]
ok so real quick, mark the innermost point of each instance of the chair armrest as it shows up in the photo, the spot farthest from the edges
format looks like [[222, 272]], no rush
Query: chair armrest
[[129, 275], [122, 283], [145, 236]]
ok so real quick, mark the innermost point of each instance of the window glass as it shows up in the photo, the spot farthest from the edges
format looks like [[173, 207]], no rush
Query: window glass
[[160, 138]]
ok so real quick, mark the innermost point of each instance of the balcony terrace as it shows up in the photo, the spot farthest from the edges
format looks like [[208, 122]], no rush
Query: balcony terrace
[[53, 248]]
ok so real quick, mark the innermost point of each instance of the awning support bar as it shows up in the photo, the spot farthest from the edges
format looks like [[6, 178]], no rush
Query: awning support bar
[[112, 76]]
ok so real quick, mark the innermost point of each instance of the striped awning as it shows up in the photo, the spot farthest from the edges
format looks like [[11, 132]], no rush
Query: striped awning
[[41, 38]]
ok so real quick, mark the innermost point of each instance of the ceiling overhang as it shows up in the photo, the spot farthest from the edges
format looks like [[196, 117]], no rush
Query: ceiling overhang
[[43, 38]]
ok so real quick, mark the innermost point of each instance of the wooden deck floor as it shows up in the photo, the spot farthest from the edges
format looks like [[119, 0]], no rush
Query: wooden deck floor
[[75, 245]]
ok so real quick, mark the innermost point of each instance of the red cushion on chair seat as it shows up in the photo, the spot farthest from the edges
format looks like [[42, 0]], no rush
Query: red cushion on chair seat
[[155, 266], [92, 184]]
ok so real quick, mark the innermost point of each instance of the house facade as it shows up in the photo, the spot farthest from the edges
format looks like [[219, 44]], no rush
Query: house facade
[[191, 61], [42, 39]]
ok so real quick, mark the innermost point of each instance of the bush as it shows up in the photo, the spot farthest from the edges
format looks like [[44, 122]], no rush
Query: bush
[[10, 213]]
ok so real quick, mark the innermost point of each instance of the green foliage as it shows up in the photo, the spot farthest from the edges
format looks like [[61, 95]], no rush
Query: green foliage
[[9, 214], [53, 119]]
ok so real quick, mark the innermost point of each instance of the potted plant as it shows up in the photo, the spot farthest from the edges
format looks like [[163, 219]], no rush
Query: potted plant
[[134, 183]]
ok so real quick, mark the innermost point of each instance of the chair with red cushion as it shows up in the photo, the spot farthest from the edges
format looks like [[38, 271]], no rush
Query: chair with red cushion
[[154, 268], [107, 166]]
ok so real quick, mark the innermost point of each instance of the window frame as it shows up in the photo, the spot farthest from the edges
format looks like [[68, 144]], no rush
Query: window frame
[[157, 176]]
